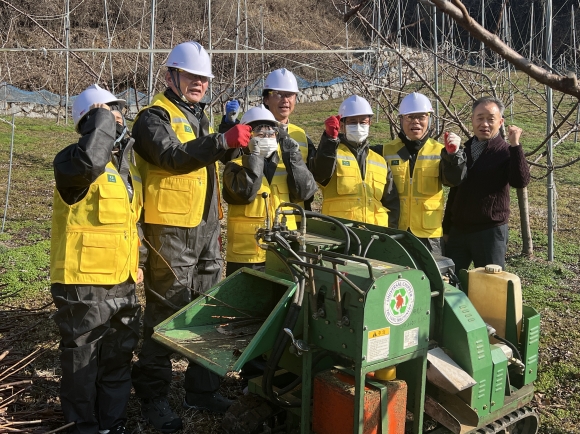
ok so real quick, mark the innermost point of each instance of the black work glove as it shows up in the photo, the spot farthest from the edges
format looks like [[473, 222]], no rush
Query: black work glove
[[287, 143]]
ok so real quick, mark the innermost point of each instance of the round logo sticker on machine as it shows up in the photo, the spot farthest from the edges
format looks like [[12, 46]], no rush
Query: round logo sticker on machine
[[399, 301]]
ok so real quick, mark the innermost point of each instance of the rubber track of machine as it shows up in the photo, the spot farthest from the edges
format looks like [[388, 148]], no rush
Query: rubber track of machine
[[520, 421]]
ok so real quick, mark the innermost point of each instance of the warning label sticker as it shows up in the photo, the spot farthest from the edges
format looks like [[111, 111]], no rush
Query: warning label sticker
[[378, 344], [411, 338]]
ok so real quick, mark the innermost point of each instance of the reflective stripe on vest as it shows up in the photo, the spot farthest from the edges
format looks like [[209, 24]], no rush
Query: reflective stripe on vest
[[95, 240], [348, 196], [299, 135], [175, 200], [244, 220], [421, 196]]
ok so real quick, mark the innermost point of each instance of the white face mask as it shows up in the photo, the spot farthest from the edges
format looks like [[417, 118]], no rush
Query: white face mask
[[357, 133], [267, 145]]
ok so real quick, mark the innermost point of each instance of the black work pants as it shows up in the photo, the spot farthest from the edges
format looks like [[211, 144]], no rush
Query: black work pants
[[432, 244], [482, 247], [196, 265], [99, 328]]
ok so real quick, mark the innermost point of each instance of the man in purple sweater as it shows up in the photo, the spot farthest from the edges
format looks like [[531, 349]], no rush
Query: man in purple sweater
[[475, 224]]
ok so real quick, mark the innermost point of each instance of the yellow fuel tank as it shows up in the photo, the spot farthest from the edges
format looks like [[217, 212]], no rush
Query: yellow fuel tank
[[488, 292]]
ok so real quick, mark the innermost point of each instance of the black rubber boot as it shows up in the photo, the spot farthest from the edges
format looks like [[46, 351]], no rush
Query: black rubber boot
[[159, 414], [210, 401]]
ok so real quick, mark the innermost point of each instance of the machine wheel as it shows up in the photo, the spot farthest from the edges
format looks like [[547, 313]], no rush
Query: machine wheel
[[247, 415]]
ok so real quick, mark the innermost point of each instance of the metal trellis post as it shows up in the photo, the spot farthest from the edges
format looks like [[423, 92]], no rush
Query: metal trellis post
[[66, 32], [549, 145], [435, 68], [150, 85], [9, 176]]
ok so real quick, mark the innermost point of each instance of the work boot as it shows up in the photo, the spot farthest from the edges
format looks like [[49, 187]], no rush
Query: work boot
[[210, 401], [158, 413]]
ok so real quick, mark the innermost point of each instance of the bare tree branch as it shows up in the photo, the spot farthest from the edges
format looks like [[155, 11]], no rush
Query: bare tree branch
[[355, 10], [75, 55], [541, 145], [457, 11], [417, 73]]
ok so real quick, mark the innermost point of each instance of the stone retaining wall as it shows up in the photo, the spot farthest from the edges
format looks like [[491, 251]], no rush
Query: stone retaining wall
[[423, 62], [31, 110]]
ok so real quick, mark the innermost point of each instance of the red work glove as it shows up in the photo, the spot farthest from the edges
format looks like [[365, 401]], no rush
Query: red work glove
[[332, 125], [452, 142], [238, 136]]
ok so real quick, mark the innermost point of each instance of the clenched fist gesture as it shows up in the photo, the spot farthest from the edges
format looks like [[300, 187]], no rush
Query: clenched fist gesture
[[452, 142], [514, 134], [332, 126]]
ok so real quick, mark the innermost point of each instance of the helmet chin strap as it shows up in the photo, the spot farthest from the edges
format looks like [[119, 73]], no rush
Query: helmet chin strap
[[176, 83]]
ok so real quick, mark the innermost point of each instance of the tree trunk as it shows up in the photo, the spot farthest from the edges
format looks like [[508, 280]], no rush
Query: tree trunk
[[527, 243]]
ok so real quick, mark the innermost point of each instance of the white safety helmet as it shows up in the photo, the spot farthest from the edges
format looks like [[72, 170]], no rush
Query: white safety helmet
[[92, 95], [355, 106], [415, 103], [281, 79], [259, 113], [190, 56]]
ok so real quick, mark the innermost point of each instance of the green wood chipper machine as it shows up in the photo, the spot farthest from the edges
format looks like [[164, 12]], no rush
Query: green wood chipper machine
[[359, 329]]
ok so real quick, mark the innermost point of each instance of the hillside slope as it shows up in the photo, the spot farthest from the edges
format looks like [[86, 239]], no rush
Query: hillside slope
[[304, 24]]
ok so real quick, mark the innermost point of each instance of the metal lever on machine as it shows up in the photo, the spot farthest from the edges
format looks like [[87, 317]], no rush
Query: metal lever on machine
[[299, 344], [265, 197]]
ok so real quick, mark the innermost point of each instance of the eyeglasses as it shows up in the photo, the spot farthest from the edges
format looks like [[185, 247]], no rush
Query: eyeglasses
[[192, 77], [421, 117], [263, 133], [280, 95]]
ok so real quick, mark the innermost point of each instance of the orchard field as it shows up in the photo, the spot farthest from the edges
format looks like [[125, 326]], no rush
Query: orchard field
[[29, 355]]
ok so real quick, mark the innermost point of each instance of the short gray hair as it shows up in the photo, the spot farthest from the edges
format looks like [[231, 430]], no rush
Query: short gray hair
[[487, 100]]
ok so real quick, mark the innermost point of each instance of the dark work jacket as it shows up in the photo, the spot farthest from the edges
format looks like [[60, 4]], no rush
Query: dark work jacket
[[241, 183], [225, 126], [482, 200], [157, 143], [78, 165], [323, 166]]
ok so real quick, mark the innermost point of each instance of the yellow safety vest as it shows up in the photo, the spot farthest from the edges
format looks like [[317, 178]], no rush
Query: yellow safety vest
[[299, 135], [348, 196], [95, 240], [244, 220], [422, 195], [175, 200]]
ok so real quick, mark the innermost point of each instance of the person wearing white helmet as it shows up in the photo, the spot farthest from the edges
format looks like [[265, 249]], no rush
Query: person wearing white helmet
[[356, 182], [420, 167], [279, 96], [177, 154], [94, 264], [267, 167]]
